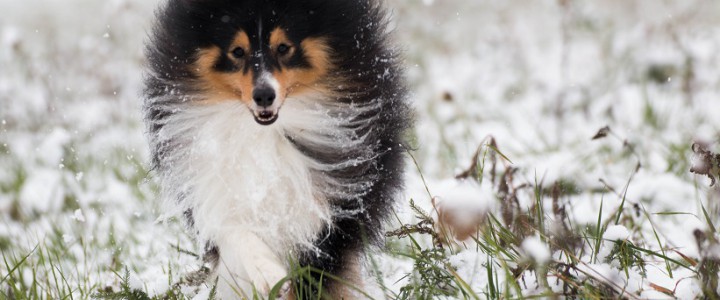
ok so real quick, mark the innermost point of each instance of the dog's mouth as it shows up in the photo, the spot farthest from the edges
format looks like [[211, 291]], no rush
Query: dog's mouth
[[265, 116]]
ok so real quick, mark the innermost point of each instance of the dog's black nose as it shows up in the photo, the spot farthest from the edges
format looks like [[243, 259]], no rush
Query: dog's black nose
[[264, 96]]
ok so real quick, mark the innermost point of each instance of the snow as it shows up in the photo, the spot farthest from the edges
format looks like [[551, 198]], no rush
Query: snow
[[687, 289], [42, 191], [539, 77], [466, 197], [536, 249], [616, 233], [78, 216]]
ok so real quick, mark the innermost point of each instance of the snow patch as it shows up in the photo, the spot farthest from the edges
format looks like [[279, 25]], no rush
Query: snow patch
[[616, 233], [536, 249]]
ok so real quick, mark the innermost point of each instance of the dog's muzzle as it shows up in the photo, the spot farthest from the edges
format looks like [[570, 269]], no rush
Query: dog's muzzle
[[265, 116], [266, 113]]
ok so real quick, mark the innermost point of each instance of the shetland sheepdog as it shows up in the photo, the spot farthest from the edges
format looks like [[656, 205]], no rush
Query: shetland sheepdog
[[277, 130]]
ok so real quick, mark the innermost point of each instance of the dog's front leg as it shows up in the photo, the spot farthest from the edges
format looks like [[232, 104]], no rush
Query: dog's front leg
[[246, 261]]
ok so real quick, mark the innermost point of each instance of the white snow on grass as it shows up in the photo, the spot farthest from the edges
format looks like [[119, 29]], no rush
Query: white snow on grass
[[536, 249], [541, 77], [616, 233]]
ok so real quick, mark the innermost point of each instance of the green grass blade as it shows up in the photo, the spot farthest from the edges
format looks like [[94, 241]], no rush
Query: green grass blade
[[14, 268], [598, 231], [707, 219]]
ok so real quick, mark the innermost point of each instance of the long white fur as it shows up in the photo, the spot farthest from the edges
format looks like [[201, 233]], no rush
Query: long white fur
[[250, 190]]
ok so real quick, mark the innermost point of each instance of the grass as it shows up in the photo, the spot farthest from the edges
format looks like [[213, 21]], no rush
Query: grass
[[507, 271], [45, 272], [48, 271], [506, 264], [476, 68]]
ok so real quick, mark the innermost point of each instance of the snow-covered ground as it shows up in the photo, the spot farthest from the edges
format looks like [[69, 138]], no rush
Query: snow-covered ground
[[541, 77]]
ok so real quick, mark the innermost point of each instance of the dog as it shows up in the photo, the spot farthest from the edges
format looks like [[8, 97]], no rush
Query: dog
[[277, 130]]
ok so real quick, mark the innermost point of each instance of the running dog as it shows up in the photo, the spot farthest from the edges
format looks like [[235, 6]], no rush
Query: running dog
[[277, 131]]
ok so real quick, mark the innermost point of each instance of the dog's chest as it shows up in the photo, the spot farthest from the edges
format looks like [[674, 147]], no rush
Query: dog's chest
[[247, 175]]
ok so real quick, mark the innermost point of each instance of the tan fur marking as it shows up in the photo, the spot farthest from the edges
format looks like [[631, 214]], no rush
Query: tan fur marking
[[240, 81], [352, 280], [296, 81], [279, 36], [241, 40], [219, 86], [209, 80]]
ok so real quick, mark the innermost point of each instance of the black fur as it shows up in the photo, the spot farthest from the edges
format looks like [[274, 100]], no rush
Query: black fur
[[365, 63]]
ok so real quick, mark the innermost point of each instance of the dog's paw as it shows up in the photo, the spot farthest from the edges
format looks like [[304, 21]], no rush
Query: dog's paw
[[265, 272]]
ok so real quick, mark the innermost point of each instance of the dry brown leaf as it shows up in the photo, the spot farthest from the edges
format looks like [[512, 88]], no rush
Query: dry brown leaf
[[705, 162], [689, 260], [662, 289], [603, 132]]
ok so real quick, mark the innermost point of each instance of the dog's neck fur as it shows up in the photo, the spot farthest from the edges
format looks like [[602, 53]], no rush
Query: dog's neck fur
[[231, 171]]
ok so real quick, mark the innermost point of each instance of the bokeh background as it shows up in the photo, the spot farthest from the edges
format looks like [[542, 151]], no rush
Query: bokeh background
[[79, 207]]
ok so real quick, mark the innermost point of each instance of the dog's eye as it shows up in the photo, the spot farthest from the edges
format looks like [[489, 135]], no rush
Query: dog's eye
[[283, 49], [238, 52]]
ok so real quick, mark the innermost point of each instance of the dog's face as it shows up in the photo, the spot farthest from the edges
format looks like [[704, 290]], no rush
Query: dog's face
[[261, 57]]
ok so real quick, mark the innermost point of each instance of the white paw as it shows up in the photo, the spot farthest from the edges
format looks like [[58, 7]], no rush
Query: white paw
[[264, 271], [255, 268]]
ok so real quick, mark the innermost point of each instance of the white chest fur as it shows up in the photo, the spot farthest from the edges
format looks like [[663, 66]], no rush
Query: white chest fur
[[236, 174], [250, 190]]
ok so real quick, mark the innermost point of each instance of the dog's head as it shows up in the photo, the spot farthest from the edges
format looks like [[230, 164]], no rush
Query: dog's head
[[261, 61], [261, 53], [262, 69], [264, 53]]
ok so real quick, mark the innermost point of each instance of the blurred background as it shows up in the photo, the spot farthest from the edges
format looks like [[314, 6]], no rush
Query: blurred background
[[78, 205]]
